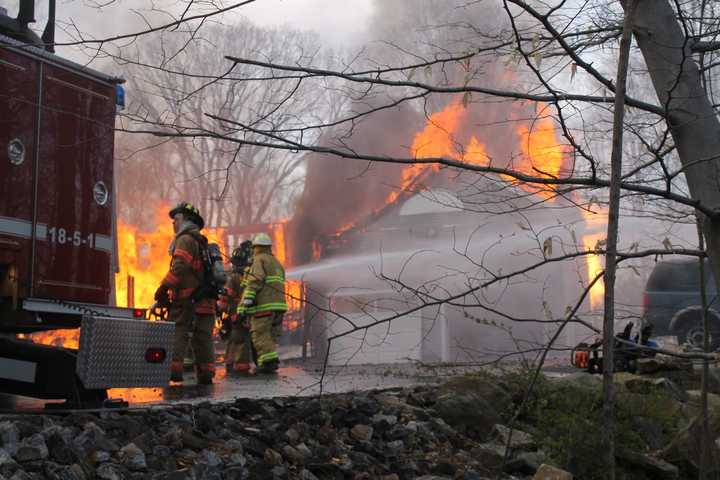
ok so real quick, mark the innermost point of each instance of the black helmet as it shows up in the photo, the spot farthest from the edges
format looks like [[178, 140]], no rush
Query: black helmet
[[190, 211], [240, 257]]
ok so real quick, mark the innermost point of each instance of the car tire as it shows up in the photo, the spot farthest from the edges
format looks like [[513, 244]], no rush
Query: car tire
[[689, 330]]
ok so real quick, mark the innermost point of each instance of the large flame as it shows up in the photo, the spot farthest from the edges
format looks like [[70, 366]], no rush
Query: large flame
[[596, 224], [280, 247], [542, 154]]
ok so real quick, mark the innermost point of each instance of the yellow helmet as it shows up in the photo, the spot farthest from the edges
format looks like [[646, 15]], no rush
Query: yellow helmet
[[262, 240]]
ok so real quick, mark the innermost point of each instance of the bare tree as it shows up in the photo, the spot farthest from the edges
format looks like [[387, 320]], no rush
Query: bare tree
[[174, 81]]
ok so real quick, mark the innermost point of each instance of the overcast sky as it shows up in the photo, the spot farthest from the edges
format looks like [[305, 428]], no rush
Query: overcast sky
[[337, 21]]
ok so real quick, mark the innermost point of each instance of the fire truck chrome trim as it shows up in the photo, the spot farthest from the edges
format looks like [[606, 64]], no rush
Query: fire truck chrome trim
[[75, 87], [18, 370], [5, 63], [103, 242], [42, 305], [15, 227], [57, 283], [36, 177]]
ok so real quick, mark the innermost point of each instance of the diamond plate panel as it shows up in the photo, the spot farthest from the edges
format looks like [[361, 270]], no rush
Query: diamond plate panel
[[112, 352]]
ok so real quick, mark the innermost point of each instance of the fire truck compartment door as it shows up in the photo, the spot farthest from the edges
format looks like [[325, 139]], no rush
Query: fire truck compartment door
[[114, 352]]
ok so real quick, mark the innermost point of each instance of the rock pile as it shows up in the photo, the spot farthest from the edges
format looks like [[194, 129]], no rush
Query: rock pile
[[389, 435], [455, 431]]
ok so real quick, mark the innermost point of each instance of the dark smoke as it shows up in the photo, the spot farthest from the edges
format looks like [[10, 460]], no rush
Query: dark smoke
[[341, 191]]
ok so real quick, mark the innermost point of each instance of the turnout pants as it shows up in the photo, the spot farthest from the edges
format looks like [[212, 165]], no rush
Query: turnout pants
[[239, 349], [265, 329], [199, 327]]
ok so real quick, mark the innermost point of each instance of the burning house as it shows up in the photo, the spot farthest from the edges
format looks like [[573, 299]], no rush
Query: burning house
[[427, 266]]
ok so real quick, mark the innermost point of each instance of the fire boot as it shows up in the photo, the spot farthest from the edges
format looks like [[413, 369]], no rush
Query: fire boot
[[176, 371], [205, 373], [240, 368], [269, 366]]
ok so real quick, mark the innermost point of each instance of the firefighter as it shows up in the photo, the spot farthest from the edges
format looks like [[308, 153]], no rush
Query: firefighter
[[238, 350], [192, 312], [263, 301]]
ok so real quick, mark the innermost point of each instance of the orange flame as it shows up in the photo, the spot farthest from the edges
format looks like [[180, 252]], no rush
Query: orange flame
[[594, 222], [57, 338], [294, 294], [434, 141], [277, 232], [543, 154]]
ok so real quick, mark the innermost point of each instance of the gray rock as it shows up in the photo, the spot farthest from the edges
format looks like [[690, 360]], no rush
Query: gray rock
[[32, 448], [211, 458], [5, 457], [489, 455], [9, 437], [182, 474], [234, 445], [646, 385], [412, 426], [206, 472], [100, 456], [292, 436], [279, 472], [525, 463], [519, 440], [384, 420], [651, 431], [395, 445], [306, 474], [668, 363], [272, 457], [132, 457], [21, 475], [236, 460], [71, 472], [304, 450], [293, 455], [205, 419], [60, 445], [93, 438], [473, 401], [655, 467], [236, 473], [362, 433], [109, 471]]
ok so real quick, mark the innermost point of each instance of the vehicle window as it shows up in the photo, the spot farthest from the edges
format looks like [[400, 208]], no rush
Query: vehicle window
[[678, 276]]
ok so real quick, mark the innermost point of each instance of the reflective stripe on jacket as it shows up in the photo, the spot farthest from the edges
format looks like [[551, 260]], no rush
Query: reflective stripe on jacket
[[265, 285], [186, 270]]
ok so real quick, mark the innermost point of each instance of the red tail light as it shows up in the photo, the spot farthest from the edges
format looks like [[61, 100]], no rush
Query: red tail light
[[139, 313], [155, 355], [645, 302]]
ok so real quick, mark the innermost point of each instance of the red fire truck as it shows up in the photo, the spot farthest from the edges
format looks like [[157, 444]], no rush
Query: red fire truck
[[57, 228]]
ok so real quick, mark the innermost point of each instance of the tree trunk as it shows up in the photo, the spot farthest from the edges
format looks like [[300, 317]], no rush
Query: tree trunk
[[608, 430], [691, 118]]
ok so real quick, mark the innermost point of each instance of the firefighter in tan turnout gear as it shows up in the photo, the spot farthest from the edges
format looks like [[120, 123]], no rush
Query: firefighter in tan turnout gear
[[192, 312], [238, 350], [263, 301]]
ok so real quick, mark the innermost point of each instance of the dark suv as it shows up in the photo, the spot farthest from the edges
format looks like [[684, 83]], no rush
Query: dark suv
[[671, 302]]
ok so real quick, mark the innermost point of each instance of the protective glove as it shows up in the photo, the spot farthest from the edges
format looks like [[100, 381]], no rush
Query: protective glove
[[162, 296]]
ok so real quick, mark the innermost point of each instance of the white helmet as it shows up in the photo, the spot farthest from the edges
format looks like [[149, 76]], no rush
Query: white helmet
[[262, 240]]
